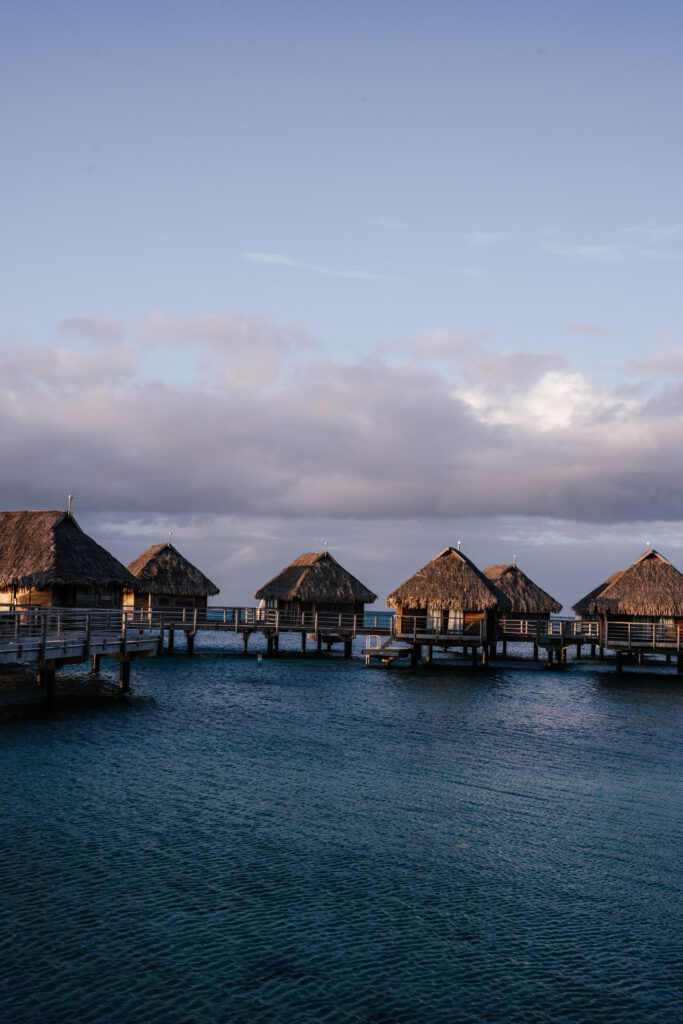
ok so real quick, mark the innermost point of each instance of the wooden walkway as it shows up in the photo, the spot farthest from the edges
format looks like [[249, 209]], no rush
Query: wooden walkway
[[49, 638]]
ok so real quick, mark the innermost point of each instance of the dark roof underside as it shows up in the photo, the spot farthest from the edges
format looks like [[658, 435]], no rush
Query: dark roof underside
[[316, 577], [161, 569], [40, 549]]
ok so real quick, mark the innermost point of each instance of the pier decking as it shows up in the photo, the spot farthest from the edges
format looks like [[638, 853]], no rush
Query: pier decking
[[48, 638]]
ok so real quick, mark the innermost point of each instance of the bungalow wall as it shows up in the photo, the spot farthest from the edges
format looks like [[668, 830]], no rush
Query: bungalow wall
[[141, 602], [64, 597]]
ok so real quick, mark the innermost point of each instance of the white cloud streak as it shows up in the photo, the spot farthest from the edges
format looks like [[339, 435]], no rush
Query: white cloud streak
[[277, 260]]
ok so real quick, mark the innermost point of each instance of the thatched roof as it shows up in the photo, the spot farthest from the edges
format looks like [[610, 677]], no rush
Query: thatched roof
[[450, 580], [526, 597], [650, 586], [44, 549], [316, 577], [582, 607], [161, 569]]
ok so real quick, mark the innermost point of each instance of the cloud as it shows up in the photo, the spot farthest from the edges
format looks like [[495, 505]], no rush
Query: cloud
[[475, 272], [484, 239], [667, 363], [277, 260], [238, 351], [397, 225], [655, 233], [95, 329], [597, 330], [593, 253], [487, 434]]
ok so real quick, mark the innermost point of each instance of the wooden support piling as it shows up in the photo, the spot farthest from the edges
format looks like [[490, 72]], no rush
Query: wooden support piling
[[474, 655], [319, 641], [415, 652], [245, 642], [347, 648], [303, 643], [679, 664], [619, 665], [428, 653], [171, 637], [124, 675], [95, 664], [535, 651]]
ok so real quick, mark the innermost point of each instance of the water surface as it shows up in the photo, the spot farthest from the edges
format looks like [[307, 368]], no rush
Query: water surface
[[305, 840]]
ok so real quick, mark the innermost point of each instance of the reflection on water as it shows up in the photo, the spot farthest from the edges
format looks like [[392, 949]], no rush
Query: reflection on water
[[306, 840]]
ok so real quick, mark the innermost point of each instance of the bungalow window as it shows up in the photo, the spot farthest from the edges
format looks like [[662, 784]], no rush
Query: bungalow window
[[456, 620], [434, 616]]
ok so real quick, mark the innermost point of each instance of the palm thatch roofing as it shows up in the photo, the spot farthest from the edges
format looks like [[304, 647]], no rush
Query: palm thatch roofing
[[651, 586], [161, 569], [526, 597], [450, 580], [316, 577], [583, 606], [40, 549]]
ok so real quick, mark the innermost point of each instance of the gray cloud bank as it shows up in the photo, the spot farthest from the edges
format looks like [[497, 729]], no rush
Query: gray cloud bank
[[255, 420]]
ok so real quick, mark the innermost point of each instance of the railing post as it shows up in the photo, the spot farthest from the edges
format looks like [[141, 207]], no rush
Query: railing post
[[194, 621], [87, 633], [277, 622], [355, 624], [43, 638]]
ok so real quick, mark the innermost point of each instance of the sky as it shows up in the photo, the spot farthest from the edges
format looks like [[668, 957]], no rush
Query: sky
[[384, 275]]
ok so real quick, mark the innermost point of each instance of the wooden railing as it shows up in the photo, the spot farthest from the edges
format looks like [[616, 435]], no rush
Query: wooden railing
[[643, 635], [538, 630], [424, 627]]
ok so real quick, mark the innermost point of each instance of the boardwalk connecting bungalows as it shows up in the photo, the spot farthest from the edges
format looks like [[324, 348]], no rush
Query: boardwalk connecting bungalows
[[319, 595]]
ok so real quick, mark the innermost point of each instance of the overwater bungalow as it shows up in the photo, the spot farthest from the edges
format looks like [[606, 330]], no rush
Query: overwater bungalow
[[527, 599], [315, 583], [449, 595], [166, 579], [46, 560], [640, 607]]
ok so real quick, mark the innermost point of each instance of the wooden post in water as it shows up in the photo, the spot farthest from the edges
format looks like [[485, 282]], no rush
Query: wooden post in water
[[619, 662], [550, 657], [485, 654], [190, 643], [428, 653], [245, 641], [474, 655], [535, 650], [347, 648], [319, 640], [124, 675], [95, 664], [303, 643], [679, 664], [269, 643], [171, 637], [415, 652]]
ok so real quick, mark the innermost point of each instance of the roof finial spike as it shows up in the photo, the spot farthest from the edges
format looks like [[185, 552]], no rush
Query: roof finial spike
[[649, 545], [68, 508], [514, 559], [325, 547], [459, 543], [170, 534]]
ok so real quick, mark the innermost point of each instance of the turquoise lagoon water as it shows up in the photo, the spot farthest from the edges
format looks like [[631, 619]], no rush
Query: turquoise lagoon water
[[309, 840]]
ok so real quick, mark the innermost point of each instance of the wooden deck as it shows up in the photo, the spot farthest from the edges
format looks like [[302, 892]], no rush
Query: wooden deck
[[48, 638]]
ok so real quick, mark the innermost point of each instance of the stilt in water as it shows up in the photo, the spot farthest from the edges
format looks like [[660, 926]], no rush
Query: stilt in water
[[303, 643], [190, 643], [347, 648], [640, 657], [269, 643], [679, 664], [428, 653], [415, 652], [46, 679], [319, 643], [535, 651], [550, 657], [245, 642], [171, 638], [485, 654], [124, 675], [593, 651], [95, 664], [474, 655], [619, 662], [505, 648]]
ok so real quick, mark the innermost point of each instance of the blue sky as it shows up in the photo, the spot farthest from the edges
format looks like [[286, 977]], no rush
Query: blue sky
[[352, 272]]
